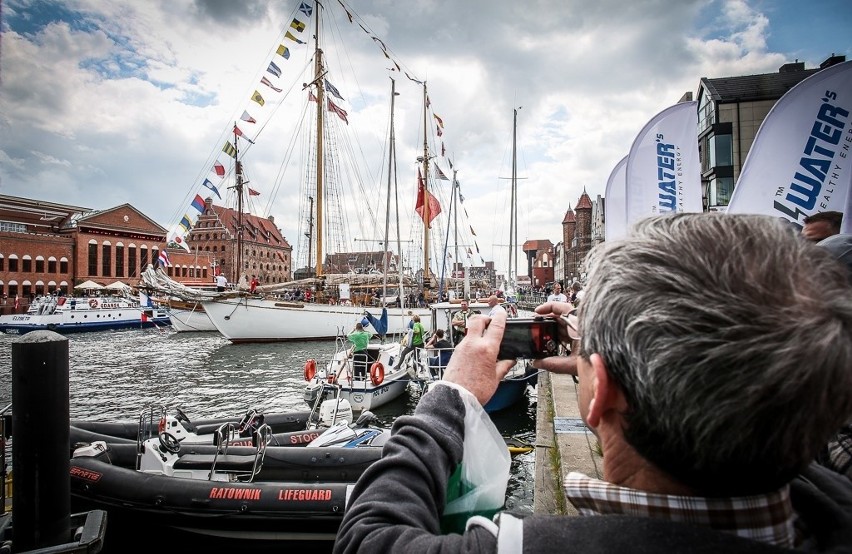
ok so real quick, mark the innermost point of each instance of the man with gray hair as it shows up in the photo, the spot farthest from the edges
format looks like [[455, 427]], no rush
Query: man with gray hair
[[715, 360]]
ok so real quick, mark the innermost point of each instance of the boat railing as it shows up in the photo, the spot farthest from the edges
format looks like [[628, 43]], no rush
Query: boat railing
[[432, 362], [146, 427], [261, 437]]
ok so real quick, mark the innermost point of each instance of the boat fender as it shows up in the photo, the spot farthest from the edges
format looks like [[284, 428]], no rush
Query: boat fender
[[377, 374], [310, 369], [93, 302]]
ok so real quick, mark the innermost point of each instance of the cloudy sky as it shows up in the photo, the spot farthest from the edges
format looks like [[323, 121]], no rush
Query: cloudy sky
[[110, 102]]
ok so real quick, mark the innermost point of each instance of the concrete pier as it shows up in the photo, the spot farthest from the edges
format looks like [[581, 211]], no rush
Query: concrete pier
[[563, 443]]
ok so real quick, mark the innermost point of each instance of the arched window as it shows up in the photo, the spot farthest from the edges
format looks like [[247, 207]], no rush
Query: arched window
[[93, 258]]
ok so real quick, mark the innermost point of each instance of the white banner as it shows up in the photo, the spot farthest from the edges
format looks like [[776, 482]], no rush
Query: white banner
[[663, 170], [615, 202], [799, 162]]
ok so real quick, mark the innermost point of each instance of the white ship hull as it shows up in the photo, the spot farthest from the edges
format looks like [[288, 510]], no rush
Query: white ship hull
[[363, 393], [190, 321], [262, 320]]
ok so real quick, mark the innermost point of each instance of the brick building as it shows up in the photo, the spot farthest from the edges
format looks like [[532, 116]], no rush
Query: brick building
[[577, 237], [47, 246], [213, 244], [539, 261]]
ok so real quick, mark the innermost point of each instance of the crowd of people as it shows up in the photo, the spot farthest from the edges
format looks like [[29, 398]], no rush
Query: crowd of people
[[713, 356]]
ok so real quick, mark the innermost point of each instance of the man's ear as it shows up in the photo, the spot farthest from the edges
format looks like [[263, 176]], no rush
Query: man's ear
[[606, 394]]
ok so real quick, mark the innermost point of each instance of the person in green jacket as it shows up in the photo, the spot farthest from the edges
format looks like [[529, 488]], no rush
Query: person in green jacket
[[415, 343], [359, 339]]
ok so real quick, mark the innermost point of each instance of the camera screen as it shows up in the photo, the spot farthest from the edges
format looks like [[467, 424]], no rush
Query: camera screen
[[528, 339]]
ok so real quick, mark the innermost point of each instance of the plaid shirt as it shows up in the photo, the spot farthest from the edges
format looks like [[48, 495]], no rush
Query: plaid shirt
[[765, 517]]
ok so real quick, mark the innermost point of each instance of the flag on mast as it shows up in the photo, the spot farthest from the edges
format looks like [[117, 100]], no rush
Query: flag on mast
[[422, 194]]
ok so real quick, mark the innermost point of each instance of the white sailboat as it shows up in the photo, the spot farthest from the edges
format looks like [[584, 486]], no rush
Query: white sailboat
[[270, 318]]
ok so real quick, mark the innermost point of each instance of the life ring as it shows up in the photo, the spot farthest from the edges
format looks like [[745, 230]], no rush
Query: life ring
[[93, 302], [377, 373], [310, 369]]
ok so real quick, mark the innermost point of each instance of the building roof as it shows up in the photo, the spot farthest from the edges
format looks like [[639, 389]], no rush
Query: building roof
[[766, 86], [569, 217], [537, 245], [584, 203], [256, 228]]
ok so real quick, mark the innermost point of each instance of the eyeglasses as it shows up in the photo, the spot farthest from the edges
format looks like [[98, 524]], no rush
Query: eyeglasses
[[573, 324]]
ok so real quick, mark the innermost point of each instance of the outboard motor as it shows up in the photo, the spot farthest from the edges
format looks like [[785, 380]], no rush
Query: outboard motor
[[366, 419]]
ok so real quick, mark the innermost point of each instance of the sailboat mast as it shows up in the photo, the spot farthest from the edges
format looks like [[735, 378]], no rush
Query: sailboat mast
[[387, 203], [318, 71], [455, 216], [513, 215], [238, 171], [310, 233], [426, 215]]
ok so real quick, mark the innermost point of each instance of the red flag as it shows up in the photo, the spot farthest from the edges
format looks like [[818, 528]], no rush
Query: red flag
[[219, 169], [239, 133], [341, 113], [253, 192], [311, 96], [434, 206]]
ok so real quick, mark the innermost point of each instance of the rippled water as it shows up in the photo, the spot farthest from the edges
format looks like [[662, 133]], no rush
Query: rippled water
[[117, 374]]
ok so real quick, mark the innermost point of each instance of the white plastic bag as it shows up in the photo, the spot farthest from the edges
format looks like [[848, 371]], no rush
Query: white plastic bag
[[478, 485]]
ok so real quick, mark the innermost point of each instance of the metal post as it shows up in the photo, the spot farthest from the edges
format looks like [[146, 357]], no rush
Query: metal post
[[40, 427]]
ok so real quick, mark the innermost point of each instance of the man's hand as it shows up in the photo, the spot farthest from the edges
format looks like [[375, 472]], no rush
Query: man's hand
[[559, 364], [474, 364]]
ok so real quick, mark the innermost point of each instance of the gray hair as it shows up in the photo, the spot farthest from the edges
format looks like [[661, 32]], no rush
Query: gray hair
[[731, 338]]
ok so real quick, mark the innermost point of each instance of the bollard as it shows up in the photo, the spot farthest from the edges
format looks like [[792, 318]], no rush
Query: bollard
[[40, 429]]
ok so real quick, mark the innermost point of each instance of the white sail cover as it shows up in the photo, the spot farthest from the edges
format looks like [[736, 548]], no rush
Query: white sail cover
[[663, 170], [799, 163], [615, 212]]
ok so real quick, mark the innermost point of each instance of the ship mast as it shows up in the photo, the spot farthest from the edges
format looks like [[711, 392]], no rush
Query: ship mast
[[238, 171], [386, 243], [425, 161], [318, 71], [513, 217]]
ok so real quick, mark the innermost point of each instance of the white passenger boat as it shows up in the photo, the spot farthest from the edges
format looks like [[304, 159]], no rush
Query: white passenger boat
[[72, 315]]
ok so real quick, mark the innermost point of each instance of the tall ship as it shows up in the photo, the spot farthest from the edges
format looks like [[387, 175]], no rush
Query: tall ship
[[269, 313]]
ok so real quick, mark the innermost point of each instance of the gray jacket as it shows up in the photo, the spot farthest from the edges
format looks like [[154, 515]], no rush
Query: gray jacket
[[396, 505]]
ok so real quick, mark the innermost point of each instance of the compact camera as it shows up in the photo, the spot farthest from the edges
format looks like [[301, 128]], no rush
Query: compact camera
[[529, 338]]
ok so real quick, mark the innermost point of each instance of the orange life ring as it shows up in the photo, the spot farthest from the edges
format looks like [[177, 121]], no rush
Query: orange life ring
[[377, 373], [310, 369], [93, 302]]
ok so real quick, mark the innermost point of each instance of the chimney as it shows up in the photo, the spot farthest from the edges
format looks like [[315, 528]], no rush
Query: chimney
[[792, 67], [832, 60], [271, 219]]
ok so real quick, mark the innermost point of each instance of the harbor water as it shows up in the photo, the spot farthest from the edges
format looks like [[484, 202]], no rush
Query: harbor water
[[115, 375]]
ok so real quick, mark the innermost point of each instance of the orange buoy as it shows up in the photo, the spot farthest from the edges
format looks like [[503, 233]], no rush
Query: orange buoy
[[310, 369], [377, 374]]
